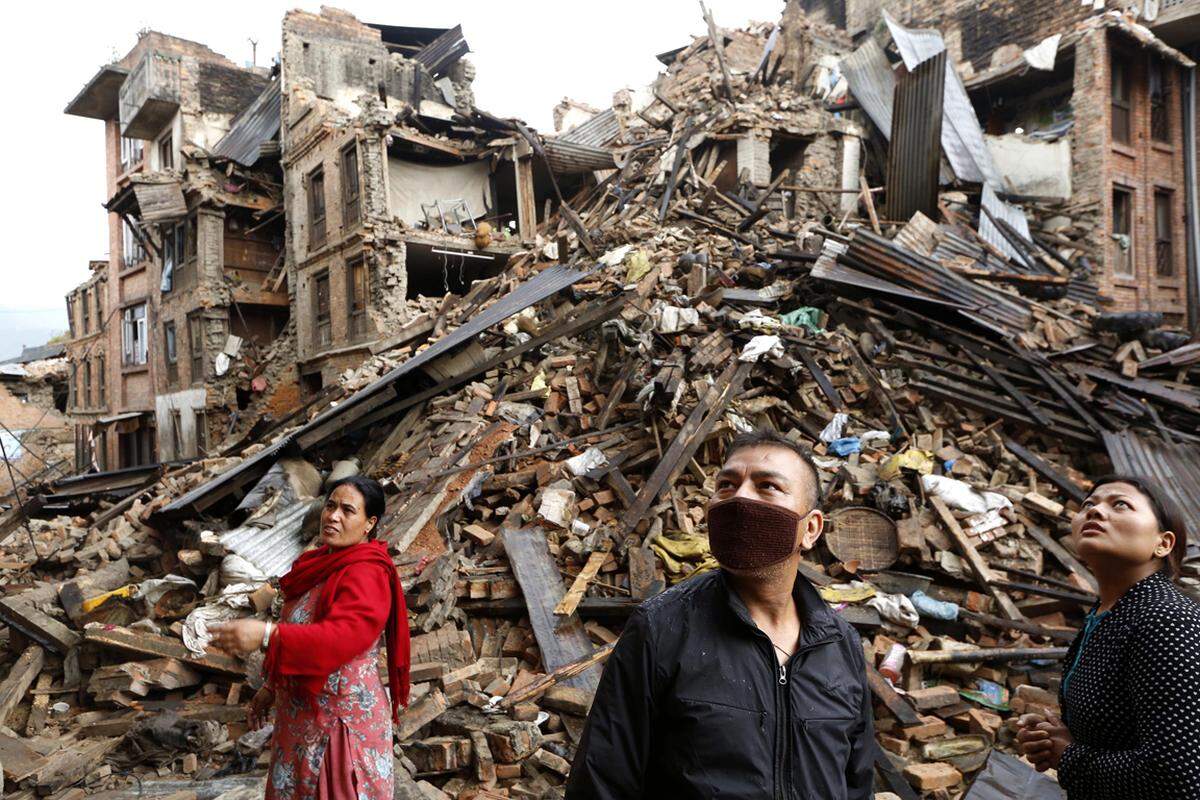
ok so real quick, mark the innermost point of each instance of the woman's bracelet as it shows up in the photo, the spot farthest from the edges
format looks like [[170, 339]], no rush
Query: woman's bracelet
[[266, 640]]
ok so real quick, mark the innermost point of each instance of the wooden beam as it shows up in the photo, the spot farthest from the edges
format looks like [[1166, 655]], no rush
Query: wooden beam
[[526, 199], [975, 562], [38, 626], [1064, 556], [152, 644], [904, 713], [537, 687], [566, 607], [22, 675], [697, 426], [561, 641]]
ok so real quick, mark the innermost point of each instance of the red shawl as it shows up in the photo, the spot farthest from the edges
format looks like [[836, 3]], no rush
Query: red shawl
[[310, 667]]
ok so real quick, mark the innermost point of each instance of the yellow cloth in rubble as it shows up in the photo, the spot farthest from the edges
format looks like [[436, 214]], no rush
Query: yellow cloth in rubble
[[919, 460], [846, 592]]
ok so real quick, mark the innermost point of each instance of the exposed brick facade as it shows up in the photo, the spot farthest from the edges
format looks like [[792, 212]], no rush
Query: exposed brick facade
[[211, 91]]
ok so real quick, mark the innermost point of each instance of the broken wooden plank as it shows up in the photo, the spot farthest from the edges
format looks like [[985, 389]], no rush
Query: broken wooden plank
[[991, 655], [1047, 472], [163, 647], [978, 566], [886, 694], [1064, 556], [19, 760], [566, 607], [560, 676], [706, 413], [38, 626], [22, 675], [72, 763], [561, 641]]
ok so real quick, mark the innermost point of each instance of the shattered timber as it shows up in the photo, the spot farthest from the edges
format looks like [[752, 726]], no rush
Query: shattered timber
[[540, 344]]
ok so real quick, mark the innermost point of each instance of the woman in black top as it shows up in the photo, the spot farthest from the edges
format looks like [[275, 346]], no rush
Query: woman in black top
[[1130, 693]]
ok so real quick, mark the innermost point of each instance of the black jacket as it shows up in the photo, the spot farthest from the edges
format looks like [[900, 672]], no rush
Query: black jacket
[[692, 704], [1131, 699]]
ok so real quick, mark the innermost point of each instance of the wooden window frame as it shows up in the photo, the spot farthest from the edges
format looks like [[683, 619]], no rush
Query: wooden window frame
[[1130, 254], [322, 319], [166, 152], [351, 195], [1121, 107], [135, 350], [196, 360], [1160, 98], [101, 382], [171, 350], [1164, 240], [317, 209], [356, 317]]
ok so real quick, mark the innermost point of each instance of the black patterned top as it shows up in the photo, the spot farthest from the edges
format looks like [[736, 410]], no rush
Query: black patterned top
[[1131, 699]]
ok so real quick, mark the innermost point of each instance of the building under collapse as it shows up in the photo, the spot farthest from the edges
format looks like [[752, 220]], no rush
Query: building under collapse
[[191, 238], [1090, 113], [772, 235]]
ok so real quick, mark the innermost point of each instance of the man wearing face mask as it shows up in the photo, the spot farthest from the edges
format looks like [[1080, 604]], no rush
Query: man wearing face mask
[[740, 683]]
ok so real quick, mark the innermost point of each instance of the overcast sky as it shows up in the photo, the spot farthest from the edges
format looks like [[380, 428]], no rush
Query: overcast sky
[[529, 54]]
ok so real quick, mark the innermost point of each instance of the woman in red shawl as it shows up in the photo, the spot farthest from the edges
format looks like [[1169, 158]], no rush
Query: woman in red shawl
[[333, 720]]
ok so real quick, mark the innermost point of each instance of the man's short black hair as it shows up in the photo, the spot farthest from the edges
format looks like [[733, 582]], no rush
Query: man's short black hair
[[765, 437]]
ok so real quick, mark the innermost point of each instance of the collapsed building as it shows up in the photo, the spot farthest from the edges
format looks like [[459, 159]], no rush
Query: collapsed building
[[770, 235], [190, 242], [35, 389], [1090, 115]]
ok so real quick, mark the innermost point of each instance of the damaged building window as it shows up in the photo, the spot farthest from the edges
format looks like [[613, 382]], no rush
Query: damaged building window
[[1160, 127], [1122, 231], [71, 315], [201, 433], [87, 384], [1164, 256], [132, 251], [316, 208], [323, 332], [1122, 117], [101, 382], [86, 321], [350, 190], [99, 307], [196, 347], [166, 153], [174, 247], [73, 386], [357, 287], [131, 153], [133, 335], [171, 349]]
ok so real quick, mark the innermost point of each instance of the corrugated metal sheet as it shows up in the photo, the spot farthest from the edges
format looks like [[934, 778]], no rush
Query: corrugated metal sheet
[[915, 149], [256, 125], [1007, 212], [595, 132], [441, 54], [570, 158], [962, 137], [271, 549], [160, 202], [827, 268], [1174, 467], [872, 82]]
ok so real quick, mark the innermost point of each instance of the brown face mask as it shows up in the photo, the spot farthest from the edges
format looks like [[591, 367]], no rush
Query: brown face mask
[[749, 534]]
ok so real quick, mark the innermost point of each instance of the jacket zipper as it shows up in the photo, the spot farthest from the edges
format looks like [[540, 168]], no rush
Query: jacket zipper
[[783, 709]]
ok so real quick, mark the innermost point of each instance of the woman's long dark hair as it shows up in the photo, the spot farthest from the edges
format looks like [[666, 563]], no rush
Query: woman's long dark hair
[[1166, 511], [374, 502]]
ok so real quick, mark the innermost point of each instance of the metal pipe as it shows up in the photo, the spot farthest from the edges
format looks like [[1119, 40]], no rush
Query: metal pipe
[[990, 655]]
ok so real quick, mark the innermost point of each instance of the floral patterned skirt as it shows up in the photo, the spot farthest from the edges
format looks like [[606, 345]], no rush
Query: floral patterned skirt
[[337, 745]]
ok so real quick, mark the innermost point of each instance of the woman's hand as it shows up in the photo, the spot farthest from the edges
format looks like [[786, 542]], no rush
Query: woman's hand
[[260, 708], [1043, 740], [240, 636]]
